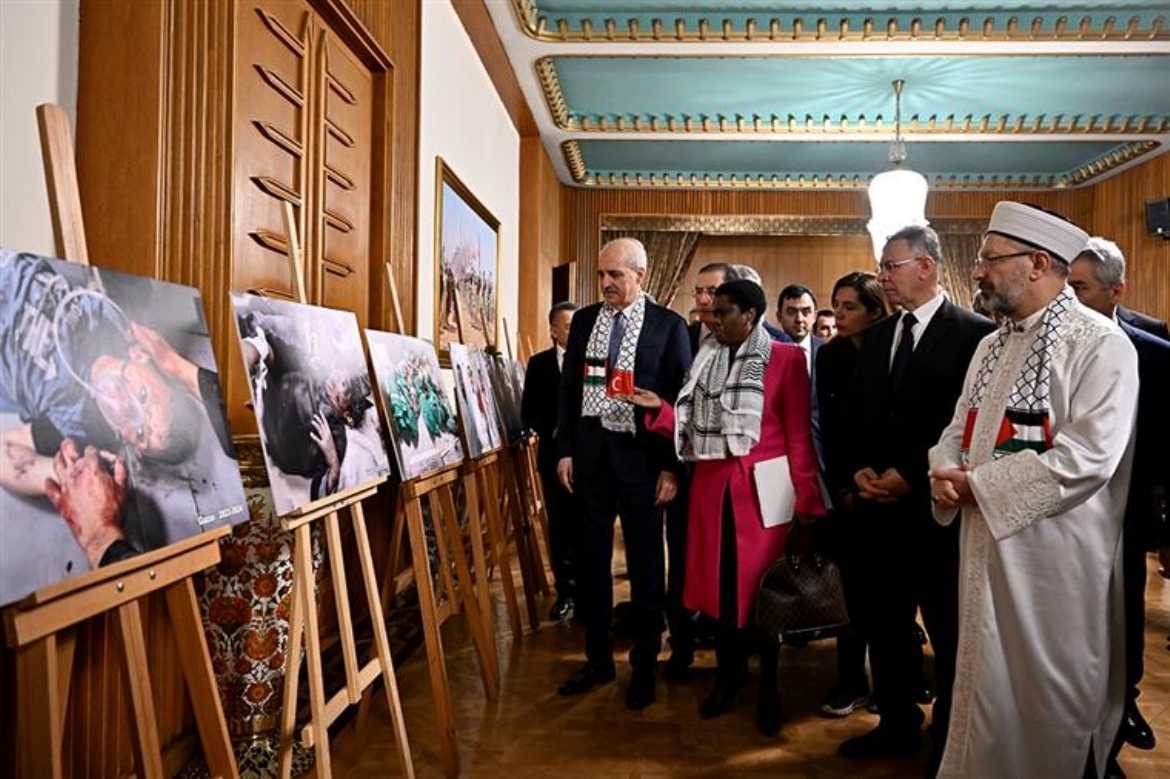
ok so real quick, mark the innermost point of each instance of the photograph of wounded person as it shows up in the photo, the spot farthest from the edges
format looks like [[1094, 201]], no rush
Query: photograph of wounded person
[[313, 399], [113, 435]]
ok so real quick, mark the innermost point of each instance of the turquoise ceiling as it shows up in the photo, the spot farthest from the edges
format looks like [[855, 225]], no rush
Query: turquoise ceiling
[[782, 94]]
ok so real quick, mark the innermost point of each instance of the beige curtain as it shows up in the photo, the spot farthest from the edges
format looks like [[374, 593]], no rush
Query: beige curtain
[[959, 250], [669, 255]]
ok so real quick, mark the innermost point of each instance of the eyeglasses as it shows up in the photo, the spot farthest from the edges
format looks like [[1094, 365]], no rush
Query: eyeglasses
[[704, 291], [997, 257], [889, 266]]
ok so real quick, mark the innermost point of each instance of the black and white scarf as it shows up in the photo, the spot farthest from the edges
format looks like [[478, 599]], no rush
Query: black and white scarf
[[1026, 421], [721, 405], [615, 415]]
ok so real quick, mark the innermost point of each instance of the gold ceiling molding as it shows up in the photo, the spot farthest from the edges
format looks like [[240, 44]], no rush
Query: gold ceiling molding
[[773, 181], [825, 125], [756, 224], [536, 25]]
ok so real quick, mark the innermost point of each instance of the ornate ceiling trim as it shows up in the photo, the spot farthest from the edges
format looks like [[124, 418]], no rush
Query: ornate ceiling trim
[[1079, 176], [756, 224], [808, 125], [1003, 26]]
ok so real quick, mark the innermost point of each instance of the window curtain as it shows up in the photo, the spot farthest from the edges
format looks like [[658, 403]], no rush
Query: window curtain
[[669, 255], [959, 251]]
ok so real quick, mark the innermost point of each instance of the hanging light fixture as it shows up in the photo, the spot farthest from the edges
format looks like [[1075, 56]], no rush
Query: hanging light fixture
[[897, 197]]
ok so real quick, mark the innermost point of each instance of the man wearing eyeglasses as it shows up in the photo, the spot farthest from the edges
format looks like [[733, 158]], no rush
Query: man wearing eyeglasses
[[911, 370], [1036, 459]]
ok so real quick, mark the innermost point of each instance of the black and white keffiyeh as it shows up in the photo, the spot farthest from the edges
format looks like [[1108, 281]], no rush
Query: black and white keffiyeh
[[615, 415], [1026, 422], [721, 405]]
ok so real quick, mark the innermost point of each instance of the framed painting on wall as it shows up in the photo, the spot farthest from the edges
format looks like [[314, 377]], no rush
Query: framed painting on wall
[[467, 258]]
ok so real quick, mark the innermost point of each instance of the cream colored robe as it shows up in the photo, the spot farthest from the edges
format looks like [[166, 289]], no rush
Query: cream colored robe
[[1040, 667]]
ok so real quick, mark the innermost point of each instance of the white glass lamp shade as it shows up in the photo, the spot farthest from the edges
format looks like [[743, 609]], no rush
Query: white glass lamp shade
[[897, 199]]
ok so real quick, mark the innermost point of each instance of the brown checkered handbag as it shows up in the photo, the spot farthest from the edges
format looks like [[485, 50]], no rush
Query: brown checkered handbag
[[801, 597]]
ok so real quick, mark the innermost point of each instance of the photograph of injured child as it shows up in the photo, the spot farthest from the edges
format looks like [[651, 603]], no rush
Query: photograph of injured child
[[113, 435]]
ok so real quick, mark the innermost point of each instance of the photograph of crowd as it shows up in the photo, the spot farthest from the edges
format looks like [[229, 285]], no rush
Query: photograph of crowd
[[313, 399], [466, 259], [477, 407], [425, 433], [113, 435]]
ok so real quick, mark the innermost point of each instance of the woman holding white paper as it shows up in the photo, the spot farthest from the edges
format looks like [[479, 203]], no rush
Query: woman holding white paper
[[746, 402]]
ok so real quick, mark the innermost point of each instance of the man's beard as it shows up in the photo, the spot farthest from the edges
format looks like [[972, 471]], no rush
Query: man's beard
[[1005, 299]]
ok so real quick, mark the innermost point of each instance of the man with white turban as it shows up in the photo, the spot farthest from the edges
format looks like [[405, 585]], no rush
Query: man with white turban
[[1037, 459]]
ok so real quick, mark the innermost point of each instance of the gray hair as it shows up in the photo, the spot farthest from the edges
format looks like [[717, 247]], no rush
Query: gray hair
[[629, 249], [737, 272], [921, 239], [1109, 262]]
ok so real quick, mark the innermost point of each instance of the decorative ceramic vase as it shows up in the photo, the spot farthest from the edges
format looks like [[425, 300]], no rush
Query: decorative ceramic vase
[[246, 602]]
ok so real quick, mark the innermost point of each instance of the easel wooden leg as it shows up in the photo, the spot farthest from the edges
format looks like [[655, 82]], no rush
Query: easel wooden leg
[[479, 502], [288, 716], [501, 485], [147, 752], [473, 592], [381, 641], [436, 659], [43, 711], [344, 619], [196, 659], [304, 569]]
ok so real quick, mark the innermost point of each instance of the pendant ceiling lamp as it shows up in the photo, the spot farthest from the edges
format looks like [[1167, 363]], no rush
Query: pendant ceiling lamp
[[897, 197]]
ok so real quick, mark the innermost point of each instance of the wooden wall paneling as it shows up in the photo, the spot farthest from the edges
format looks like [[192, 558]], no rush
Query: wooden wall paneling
[[540, 243], [583, 209], [1119, 214]]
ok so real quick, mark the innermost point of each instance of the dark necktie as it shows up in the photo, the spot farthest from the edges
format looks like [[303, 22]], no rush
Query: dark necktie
[[904, 352], [615, 338]]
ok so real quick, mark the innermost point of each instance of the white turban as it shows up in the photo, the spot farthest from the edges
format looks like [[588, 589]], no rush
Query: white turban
[[1060, 238]]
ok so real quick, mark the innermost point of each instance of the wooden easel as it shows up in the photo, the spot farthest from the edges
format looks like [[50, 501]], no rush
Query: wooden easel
[[303, 617], [40, 628], [467, 591]]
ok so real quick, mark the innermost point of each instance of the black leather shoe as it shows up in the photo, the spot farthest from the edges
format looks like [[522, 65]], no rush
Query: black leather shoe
[[1135, 730], [589, 676], [562, 609], [641, 691], [882, 741], [924, 695], [1113, 770], [721, 696], [768, 710]]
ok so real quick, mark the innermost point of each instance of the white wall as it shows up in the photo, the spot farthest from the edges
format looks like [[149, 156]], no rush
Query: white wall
[[38, 64], [463, 121]]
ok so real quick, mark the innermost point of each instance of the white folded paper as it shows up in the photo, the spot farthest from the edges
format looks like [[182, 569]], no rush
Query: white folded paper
[[775, 491]]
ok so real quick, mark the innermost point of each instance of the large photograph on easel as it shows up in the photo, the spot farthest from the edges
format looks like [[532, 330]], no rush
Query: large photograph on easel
[[477, 407], [113, 436], [313, 399], [425, 433], [467, 245]]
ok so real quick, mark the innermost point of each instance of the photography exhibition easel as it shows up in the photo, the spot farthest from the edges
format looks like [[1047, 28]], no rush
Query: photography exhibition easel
[[41, 628], [440, 595], [303, 616]]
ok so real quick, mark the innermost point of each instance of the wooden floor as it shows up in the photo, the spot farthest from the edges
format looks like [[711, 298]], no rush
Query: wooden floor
[[532, 732]]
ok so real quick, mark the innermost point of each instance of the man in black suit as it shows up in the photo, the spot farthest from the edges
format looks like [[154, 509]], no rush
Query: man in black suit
[[1097, 275], [1140, 321], [613, 466], [796, 310], [910, 373], [538, 410]]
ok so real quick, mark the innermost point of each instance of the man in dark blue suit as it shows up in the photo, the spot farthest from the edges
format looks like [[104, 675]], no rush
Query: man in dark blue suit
[[613, 466], [539, 407], [910, 373], [1144, 322], [1098, 277]]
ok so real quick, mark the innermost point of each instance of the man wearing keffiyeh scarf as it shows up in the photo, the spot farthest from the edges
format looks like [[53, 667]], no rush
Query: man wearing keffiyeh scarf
[[1037, 460], [613, 467]]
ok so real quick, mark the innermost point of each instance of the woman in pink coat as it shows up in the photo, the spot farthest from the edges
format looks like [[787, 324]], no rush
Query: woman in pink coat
[[746, 400]]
